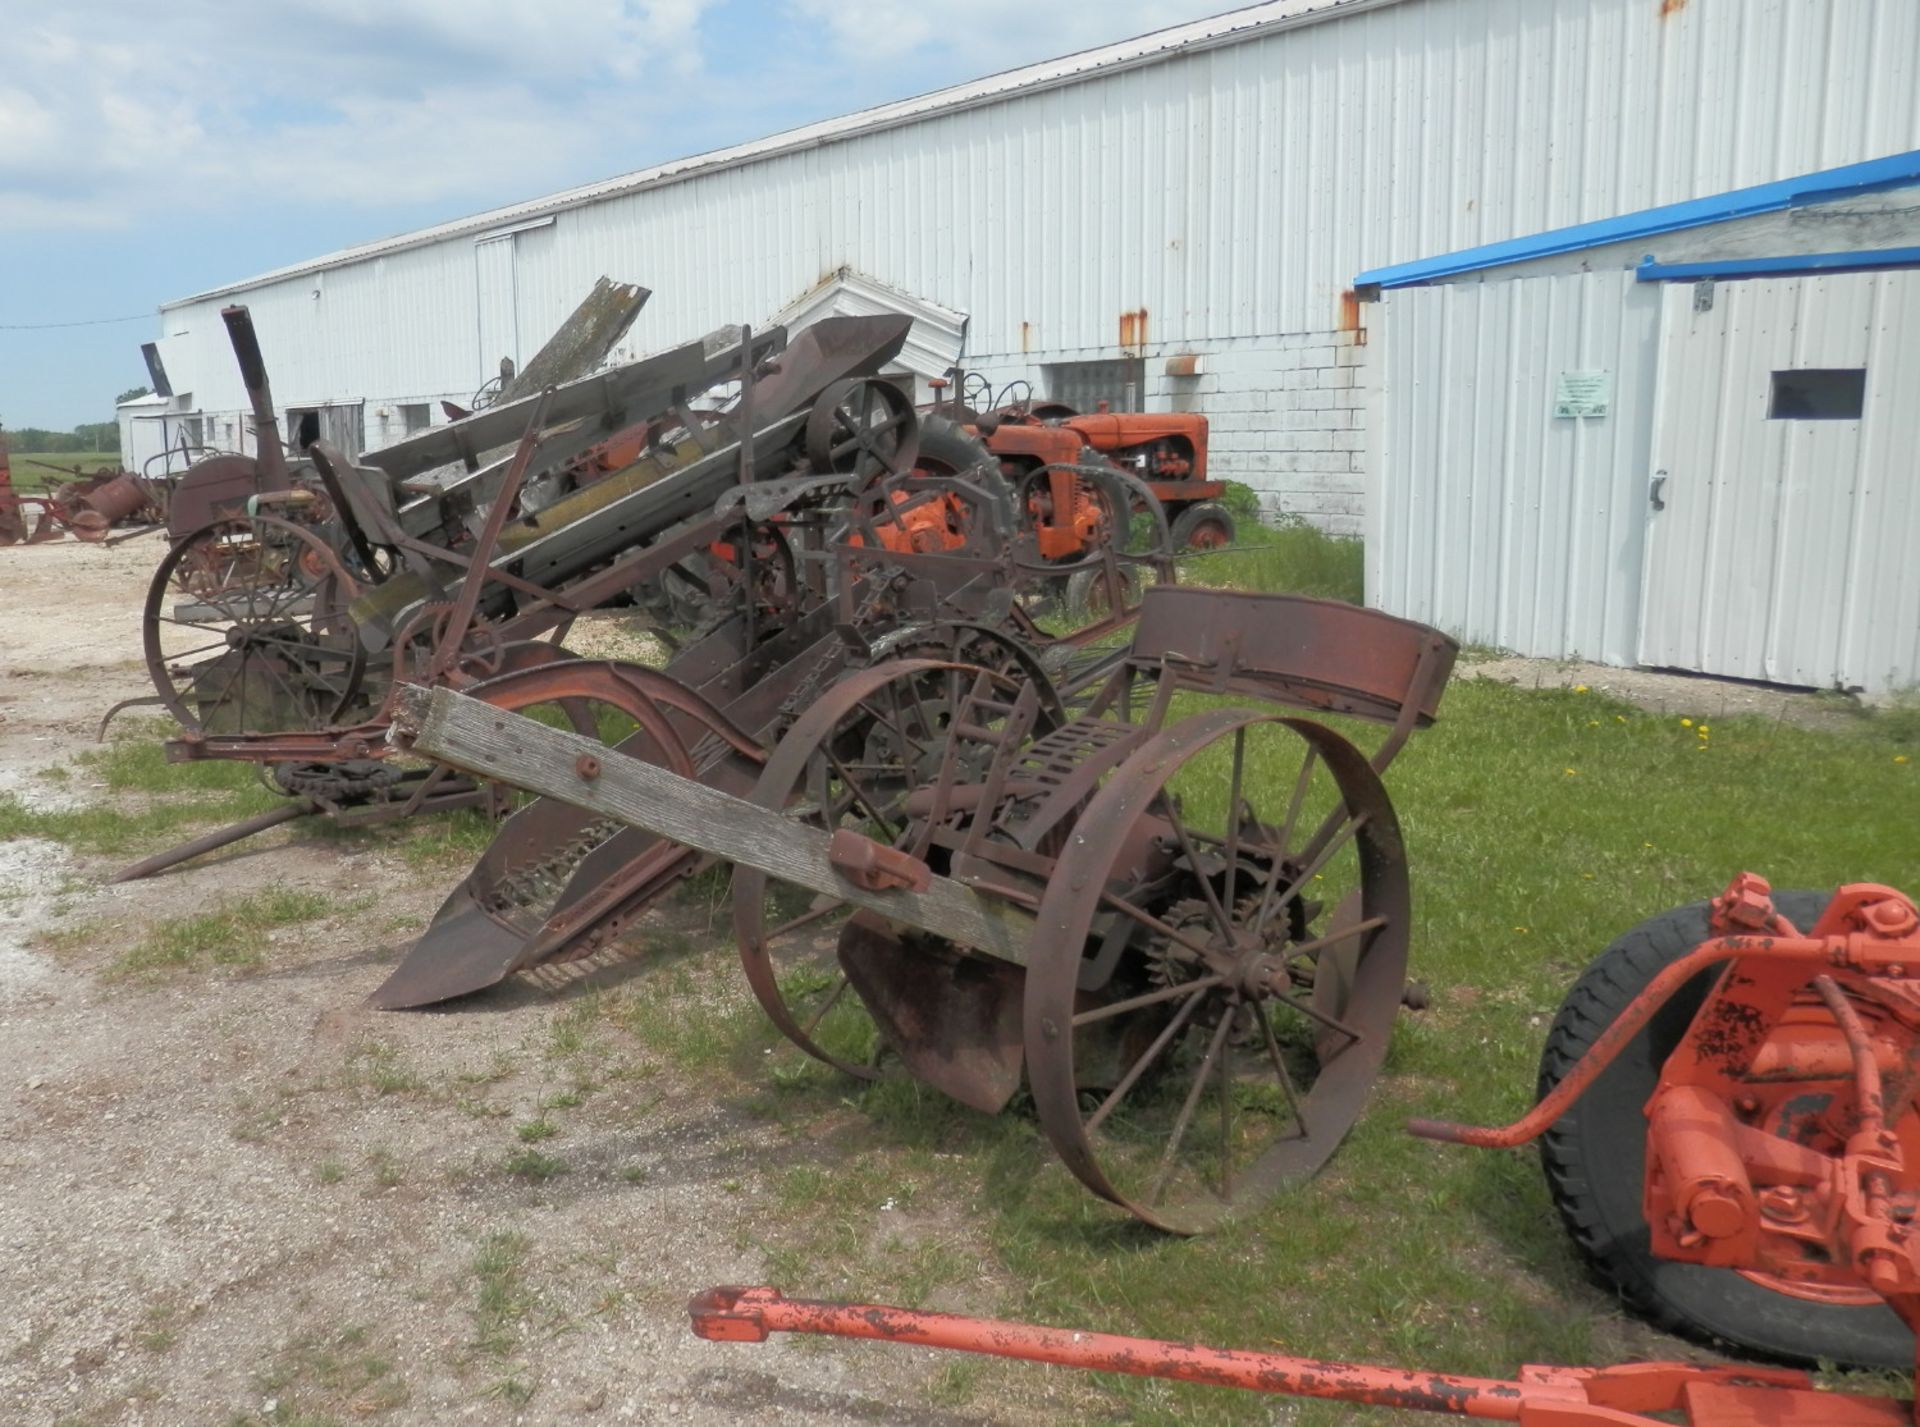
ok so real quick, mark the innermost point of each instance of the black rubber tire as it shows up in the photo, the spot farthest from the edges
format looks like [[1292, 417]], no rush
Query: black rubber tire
[[1196, 516], [1595, 1162], [948, 449]]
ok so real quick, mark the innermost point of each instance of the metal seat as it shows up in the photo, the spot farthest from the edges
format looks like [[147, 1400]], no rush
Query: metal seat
[[1314, 654]]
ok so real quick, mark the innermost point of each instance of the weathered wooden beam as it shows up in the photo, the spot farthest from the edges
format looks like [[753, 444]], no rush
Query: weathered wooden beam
[[477, 738]]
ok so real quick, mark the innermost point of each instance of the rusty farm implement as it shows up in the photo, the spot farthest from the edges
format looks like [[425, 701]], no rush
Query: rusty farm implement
[[1187, 935], [1728, 1124], [774, 535]]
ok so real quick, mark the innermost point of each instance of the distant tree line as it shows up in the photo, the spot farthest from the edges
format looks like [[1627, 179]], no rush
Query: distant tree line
[[87, 436]]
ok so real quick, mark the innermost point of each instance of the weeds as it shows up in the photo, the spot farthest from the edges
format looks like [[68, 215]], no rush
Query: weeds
[[232, 935], [534, 1166], [502, 1300]]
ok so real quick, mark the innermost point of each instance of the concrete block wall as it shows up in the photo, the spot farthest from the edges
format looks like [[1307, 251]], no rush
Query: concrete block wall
[[1287, 416]]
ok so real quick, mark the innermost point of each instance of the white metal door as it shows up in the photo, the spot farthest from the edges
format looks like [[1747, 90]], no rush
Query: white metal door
[[1758, 513], [496, 303], [344, 425]]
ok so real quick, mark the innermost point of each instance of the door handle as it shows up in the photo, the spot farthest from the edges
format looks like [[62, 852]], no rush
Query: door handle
[[1653, 491]]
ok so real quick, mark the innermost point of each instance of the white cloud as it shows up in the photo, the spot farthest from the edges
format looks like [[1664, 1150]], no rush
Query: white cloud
[[992, 35], [116, 110]]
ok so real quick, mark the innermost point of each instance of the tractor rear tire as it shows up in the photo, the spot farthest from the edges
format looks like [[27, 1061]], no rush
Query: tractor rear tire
[[1595, 1162], [1206, 526], [948, 449]]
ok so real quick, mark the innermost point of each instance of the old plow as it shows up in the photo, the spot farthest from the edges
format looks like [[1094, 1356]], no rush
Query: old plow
[[1728, 1124], [1182, 922], [757, 502]]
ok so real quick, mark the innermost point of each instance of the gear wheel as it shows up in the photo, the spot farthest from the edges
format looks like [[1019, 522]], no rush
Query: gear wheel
[[358, 781], [1168, 962]]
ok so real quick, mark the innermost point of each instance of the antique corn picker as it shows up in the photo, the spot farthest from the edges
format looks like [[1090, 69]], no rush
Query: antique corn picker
[[777, 538], [1727, 1118], [1183, 924]]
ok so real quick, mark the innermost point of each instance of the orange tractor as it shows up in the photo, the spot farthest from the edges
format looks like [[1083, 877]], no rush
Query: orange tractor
[[1047, 451]]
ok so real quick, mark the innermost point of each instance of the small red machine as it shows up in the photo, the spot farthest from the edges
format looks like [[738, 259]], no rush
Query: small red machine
[[1765, 1197], [87, 505]]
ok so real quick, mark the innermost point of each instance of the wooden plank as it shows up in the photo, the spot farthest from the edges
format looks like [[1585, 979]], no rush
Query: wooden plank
[[477, 738]]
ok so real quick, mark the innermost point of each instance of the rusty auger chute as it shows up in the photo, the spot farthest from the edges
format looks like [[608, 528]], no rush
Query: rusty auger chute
[[1188, 935]]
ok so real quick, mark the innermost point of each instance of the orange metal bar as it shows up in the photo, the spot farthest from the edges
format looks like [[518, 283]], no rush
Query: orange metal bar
[[1538, 1397], [1872, 955]]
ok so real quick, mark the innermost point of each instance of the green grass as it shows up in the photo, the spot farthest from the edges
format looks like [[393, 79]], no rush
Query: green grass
[[533, 1165], [232, 934], [30, 474], [1285, 557], [142, 802], [502, 1300], [1540, 824], [343, 1368]]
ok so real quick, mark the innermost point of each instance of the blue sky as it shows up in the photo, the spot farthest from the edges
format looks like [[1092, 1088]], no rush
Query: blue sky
[[150, 151]]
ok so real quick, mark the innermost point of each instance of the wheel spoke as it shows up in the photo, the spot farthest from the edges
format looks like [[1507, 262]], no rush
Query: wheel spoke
[[1226, 1107], [1233, 812], [1151, 998], [1222, 923], [832, 1001], [1152, 923], [1280, 1069], [859, 795], [1187, 1107], [1326, 855], [1147, 1058]]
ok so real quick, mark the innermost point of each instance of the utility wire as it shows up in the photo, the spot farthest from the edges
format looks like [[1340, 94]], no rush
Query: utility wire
[[93, 322]]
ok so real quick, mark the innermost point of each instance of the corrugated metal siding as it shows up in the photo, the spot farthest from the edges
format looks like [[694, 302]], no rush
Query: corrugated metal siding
[[1489, 516], [1231, 192], [1785, 552]]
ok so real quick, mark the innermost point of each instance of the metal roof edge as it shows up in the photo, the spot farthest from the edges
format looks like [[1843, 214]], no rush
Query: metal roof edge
[[1893, 171], [1786, 265], [1228, 27]]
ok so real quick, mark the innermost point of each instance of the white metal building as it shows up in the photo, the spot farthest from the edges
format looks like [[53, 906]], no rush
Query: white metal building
[[1206, 190], [1685, 438]]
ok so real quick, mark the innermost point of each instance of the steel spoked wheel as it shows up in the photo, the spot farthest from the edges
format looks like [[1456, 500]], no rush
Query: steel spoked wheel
[[855, 760], [864, 427], [1217, 965], [245, 629]]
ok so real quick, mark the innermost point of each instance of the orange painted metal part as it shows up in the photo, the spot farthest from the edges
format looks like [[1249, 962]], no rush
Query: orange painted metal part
[[1782, 1139], [920, 524], [1537, 1397], [1166, 450]]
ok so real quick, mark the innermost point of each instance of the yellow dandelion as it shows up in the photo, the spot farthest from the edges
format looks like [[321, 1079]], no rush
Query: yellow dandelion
[[1580, 688], [1593, 723], [1686, 723], [1521, 930], [1619, 718], [1703, 730], [1901, 758], [1571, 772]]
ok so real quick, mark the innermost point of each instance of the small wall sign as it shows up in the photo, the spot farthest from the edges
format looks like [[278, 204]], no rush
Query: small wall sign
[[1583, 394]]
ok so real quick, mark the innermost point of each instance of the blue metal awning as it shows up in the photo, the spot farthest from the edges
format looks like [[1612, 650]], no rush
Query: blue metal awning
[[1895, 171]]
